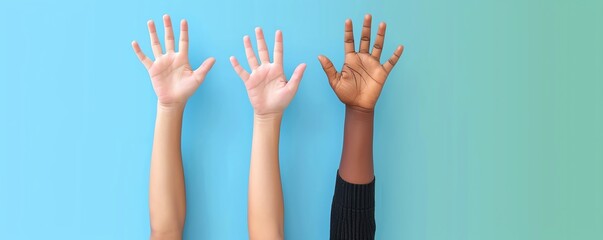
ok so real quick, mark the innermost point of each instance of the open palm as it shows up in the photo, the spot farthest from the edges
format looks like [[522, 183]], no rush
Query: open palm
[[267, 86], [173, 79], [362, 76]]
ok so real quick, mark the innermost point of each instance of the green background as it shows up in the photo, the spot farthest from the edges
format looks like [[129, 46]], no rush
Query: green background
[[502, 104]]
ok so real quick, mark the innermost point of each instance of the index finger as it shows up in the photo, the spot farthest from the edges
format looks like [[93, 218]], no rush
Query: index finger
[[348, 37]]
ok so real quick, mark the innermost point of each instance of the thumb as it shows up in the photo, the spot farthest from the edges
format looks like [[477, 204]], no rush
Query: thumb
[[293, 83], [201, 72], [329, 69]]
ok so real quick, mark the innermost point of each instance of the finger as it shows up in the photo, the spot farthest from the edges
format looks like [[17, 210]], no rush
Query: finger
[[293, 83], [183, 45], [262, 48], [143, 58], [169, 34], [278, 47], [378, 47], [329, 69], [389, 65], [348, 37], [239, 69], [202, 71], [155, 44], [365, 37], [251, 59]]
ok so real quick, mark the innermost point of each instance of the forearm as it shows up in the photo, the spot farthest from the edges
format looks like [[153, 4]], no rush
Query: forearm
[[167, 201], [265, 206], [356, 164]]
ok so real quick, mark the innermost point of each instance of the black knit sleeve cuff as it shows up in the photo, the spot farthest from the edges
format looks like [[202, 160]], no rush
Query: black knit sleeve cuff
[[354, 196]]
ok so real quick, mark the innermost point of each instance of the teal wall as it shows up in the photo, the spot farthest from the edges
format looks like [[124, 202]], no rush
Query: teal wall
[[490, 127]]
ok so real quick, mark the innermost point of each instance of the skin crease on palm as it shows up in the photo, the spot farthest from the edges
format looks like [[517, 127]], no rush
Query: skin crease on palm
[[362, 76], [267, 86], [173, 78]]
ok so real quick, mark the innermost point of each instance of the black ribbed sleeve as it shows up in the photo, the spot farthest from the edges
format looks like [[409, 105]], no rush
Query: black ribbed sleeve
[[353, 211]]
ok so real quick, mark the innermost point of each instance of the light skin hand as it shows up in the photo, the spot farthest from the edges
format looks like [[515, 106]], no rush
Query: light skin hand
[[173, 79], [174, 82], [362, 76], [269, 93], [267, 86]]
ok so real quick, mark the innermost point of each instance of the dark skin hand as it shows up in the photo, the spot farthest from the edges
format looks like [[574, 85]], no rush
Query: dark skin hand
[[358, 85]]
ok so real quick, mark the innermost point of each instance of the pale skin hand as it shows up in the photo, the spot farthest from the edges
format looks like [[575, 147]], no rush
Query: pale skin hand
[[362, 76], [358, 86], [269, 94], [174, 82], [173, 79], [267, 86]]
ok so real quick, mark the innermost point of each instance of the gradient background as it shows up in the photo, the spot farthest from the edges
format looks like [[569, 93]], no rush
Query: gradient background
[[490, 126]]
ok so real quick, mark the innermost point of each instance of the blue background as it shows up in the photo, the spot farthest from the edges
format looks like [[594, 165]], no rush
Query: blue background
[[488, 128]]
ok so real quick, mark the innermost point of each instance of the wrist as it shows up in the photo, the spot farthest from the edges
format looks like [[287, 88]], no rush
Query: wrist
[[170, 108], [359, 110], [268, 118]]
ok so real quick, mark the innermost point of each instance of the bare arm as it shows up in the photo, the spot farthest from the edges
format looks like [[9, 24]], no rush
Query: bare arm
[[266, 217], [356, 165], [174, 82], [167, 200], [269, 93]]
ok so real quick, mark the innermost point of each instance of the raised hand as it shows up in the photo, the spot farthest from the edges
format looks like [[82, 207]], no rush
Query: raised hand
[[173, 79], [362, 76], [267, 86], [174, 82]]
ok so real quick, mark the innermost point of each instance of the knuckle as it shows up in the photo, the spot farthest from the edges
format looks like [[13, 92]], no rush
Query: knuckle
[[328, 66]]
